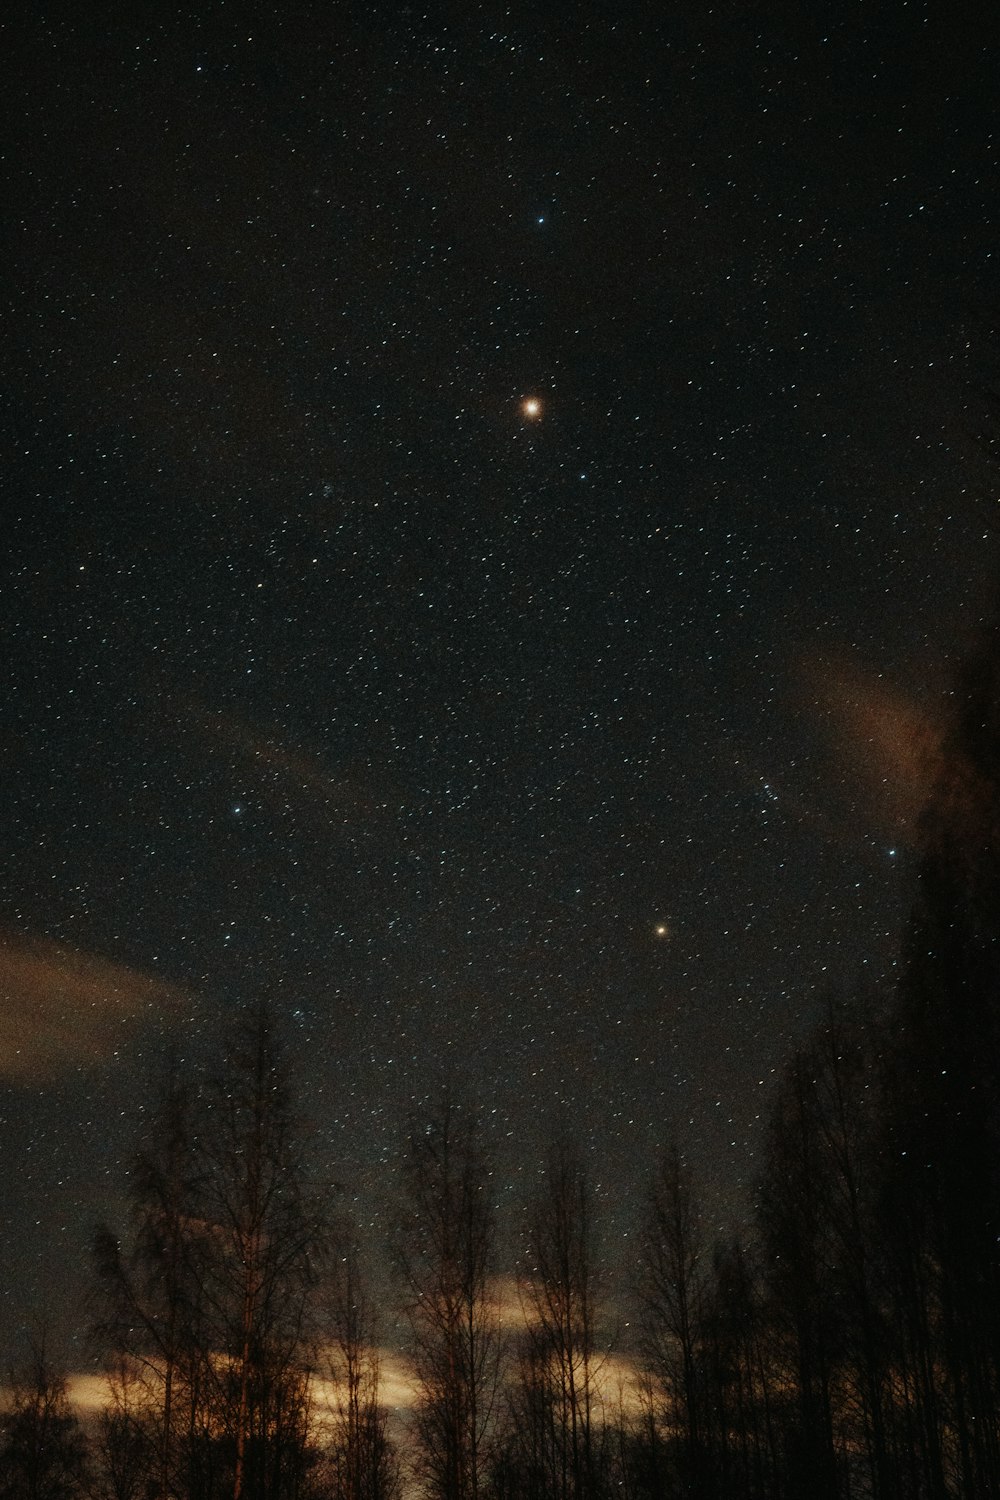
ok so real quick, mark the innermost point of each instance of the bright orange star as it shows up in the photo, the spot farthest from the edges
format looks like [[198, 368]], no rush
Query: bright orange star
[[531, 407]]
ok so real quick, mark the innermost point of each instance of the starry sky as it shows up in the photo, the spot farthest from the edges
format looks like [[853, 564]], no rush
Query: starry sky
[[571, 750]]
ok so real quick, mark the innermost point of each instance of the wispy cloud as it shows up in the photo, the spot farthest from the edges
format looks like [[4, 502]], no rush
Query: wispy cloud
[[282, 773], [61, 1008], [888, 747]]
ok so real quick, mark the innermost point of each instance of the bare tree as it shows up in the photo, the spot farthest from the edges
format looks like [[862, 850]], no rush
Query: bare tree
[[794, 1210], [43, 1453], [124, 1442], [445, 1254], [149, 1289], [672, 1285], [740, 1388], [212, 1297], [261, 1256], [361, 1458], [561, 1363]]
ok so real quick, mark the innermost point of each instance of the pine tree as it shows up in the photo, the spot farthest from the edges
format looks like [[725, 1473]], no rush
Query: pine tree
[[944, 1140]]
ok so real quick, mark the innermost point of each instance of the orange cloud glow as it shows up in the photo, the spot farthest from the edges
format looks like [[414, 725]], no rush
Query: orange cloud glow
[[886, 744], [61, 1008]]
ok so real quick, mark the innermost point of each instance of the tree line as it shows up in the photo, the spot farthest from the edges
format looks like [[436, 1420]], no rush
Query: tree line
[[846, 1345]]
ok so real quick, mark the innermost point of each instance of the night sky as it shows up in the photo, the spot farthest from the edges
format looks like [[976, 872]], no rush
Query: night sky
[[570, 751]]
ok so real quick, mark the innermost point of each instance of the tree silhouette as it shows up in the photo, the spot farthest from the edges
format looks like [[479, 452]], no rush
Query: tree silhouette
[[361, 1460], [673, 1289], [560, 1359], [943, 1187], [445, 1253], [212, 1299], [152, 1305], [43, 1453]]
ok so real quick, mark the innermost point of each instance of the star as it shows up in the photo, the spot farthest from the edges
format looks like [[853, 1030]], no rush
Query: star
[[531, 407]]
